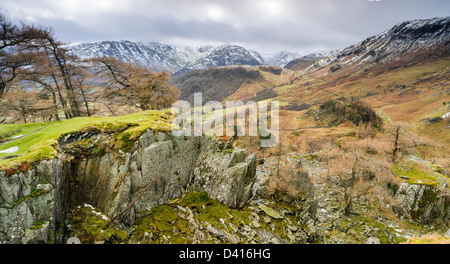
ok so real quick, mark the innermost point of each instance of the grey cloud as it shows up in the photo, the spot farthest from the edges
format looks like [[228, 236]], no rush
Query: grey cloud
[[261, 24]]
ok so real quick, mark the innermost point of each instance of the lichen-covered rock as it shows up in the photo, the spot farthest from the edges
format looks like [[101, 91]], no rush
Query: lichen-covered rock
[[38, 194], [270, 212], [36, 234], [73, 240], [372, 240], [424, 202], [226, 177], [158, 168], [167, 166], [409, 195], [99, 179], [14, 222], [164, 166]]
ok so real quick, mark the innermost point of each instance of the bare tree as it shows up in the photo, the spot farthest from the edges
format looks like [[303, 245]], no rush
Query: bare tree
[[38, 60], [135, 85], [406, 140], [37, 67], [16, 49], [62, 61]]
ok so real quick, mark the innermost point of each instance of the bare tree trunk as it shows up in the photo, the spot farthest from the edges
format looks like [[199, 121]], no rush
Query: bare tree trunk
[[347, 195], [394, 153], [55, 106], [109, 108], [85, 101], [74, 109], [61, 98]]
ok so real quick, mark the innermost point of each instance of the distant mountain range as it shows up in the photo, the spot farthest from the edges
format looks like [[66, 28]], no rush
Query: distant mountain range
[[178, 59], [302, 62], [416, 38], [406, 45]]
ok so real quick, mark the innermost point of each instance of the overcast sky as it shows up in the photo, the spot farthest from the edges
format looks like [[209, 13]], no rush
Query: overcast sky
[[262, 25]]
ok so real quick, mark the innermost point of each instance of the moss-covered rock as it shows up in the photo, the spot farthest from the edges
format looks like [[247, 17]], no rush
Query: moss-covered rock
[[198, 218], [88, 224]]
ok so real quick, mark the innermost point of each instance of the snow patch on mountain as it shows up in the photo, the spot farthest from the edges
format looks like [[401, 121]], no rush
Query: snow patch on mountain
[[172, 58], [394, 44], [282, 58], [179, 58]]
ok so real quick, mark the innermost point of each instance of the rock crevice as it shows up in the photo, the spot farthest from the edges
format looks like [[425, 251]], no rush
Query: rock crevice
[[171, 165]]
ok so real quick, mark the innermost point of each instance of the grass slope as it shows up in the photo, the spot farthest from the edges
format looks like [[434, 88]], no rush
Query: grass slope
[[40, 141]]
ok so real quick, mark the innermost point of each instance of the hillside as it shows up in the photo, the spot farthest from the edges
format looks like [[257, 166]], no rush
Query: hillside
[[401, 73], [400, 46], [232, 82], [302, 62], [404, 63], [214, 84]]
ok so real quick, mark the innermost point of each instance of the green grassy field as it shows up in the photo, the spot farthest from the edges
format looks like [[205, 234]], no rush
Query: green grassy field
[[41, 138]]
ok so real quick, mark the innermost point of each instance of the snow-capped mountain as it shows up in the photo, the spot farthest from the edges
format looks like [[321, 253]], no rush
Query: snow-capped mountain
[[173, 58], [411, 38], [302, 62], [178, 58], [282, 58], [404, 43], [154, 55], [225, 55]]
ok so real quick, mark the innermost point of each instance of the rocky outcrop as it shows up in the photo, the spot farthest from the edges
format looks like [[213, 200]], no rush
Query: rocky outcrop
[[28, 198], [160, 165], [425, 203], [171, 165], [238, 172]]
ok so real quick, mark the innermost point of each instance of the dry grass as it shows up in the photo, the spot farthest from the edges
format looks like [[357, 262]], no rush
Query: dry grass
[[434, 238], [290, 183], [363, 168]]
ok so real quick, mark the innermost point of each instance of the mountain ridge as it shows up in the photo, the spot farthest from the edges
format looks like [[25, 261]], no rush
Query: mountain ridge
[[182, 58], [412, 45], [402, 44]]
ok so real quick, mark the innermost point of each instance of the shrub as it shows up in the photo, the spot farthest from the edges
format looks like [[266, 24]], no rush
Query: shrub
[[290, 184], [271, 69], [362, 175], [316, 145], [296, 107], [263, 95], [355, 111]]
